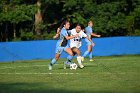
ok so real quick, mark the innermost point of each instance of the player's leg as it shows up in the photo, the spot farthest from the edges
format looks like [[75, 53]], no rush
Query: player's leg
[[69, 58], [89, 49], [89, 46], [68, 61], [69, 51], [90, 55], [76, 51], [59, 50], [54, 60], [79, 58]]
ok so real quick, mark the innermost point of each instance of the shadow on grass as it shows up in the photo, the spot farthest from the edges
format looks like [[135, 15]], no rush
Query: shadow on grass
[[40, 88]]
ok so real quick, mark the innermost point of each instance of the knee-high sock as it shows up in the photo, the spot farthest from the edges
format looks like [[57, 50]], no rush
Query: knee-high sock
[[53, 62], [85, 54], [90, 55], [68, 62], [69, 58], [79, 59]]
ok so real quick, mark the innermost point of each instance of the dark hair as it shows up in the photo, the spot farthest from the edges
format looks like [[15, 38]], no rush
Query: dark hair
[[64, 22], [82, 26], [61, 26], [78, 25]]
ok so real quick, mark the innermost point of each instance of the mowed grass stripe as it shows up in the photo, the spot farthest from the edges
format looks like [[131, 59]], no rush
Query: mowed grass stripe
[[115, 74]]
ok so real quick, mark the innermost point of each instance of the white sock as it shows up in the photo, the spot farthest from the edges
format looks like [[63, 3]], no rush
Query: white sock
[[79, 59]]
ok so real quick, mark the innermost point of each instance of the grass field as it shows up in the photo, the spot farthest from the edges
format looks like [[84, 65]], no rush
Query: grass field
[[116, 74]]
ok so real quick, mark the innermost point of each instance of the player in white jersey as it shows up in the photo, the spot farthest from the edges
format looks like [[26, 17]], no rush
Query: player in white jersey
[[75, 44]]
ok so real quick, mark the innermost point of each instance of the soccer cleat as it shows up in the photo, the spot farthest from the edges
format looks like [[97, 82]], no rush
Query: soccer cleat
[[91, 60], [50, 67], [82, 58], [81, 66], [65, 66]]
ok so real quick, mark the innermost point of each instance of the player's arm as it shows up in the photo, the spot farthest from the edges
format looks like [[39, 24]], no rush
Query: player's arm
[[85, 36], [69, 31], [57, 34], [90, 40], [92, 34], [70, 37]]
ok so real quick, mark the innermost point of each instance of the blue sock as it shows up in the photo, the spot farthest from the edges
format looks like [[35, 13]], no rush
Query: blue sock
[[85, 54], [90, 55], [53, 62], [67, 63], [69, 58]]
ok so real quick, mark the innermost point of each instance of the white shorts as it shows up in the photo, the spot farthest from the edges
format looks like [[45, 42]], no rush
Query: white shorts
[[77, 45]]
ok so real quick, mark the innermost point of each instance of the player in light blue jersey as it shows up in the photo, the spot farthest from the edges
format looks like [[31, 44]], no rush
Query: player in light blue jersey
[[88, 31], [62, 44]]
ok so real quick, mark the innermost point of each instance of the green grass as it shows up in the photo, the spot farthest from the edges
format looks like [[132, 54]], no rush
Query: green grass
[[115, 74]]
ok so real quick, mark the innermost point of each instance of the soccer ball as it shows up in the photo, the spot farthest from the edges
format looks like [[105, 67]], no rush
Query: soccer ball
[[73, 66]]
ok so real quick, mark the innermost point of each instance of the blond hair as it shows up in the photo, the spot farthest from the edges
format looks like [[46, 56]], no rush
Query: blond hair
[[90, 22]]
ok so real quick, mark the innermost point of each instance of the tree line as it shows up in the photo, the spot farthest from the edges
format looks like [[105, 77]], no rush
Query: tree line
[[22, 20]]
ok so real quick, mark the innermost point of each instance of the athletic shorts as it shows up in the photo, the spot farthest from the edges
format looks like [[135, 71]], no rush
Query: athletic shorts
[[59, 49], [88, 42]]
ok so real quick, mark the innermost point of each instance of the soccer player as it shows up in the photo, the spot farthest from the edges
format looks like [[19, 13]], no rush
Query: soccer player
[[62, 44], [58, 31], [75, 44], [88, 31]]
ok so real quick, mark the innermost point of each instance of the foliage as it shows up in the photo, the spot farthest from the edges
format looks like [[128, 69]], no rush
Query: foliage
[[26, 35], [133, 25], [110, 17], [17, 13]]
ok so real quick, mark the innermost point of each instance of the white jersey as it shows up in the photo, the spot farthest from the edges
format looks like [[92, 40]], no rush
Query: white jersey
[[76, 42]]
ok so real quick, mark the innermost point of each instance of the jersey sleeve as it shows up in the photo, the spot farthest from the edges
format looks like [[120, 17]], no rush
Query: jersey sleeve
[[69, 31], [72, 32], [64, 33], [83, 34], [90, 30]]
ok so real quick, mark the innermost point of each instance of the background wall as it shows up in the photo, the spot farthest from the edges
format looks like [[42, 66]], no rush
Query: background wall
[[31, 50]]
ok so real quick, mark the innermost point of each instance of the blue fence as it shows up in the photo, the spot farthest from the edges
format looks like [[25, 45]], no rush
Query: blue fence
[[29, 50]]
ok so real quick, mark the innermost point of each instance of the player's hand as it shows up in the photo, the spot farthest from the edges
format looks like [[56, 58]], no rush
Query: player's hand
[[98, 35], [83, 30], [58, 30], [93, 44], [56, 36]]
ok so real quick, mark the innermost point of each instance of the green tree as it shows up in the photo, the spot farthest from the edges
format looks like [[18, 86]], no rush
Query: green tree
[[133, 19], [15, 13], [110, 17]]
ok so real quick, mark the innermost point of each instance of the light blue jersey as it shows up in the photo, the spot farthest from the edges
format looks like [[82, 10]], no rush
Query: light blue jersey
[[88, 30], [62, 43]]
